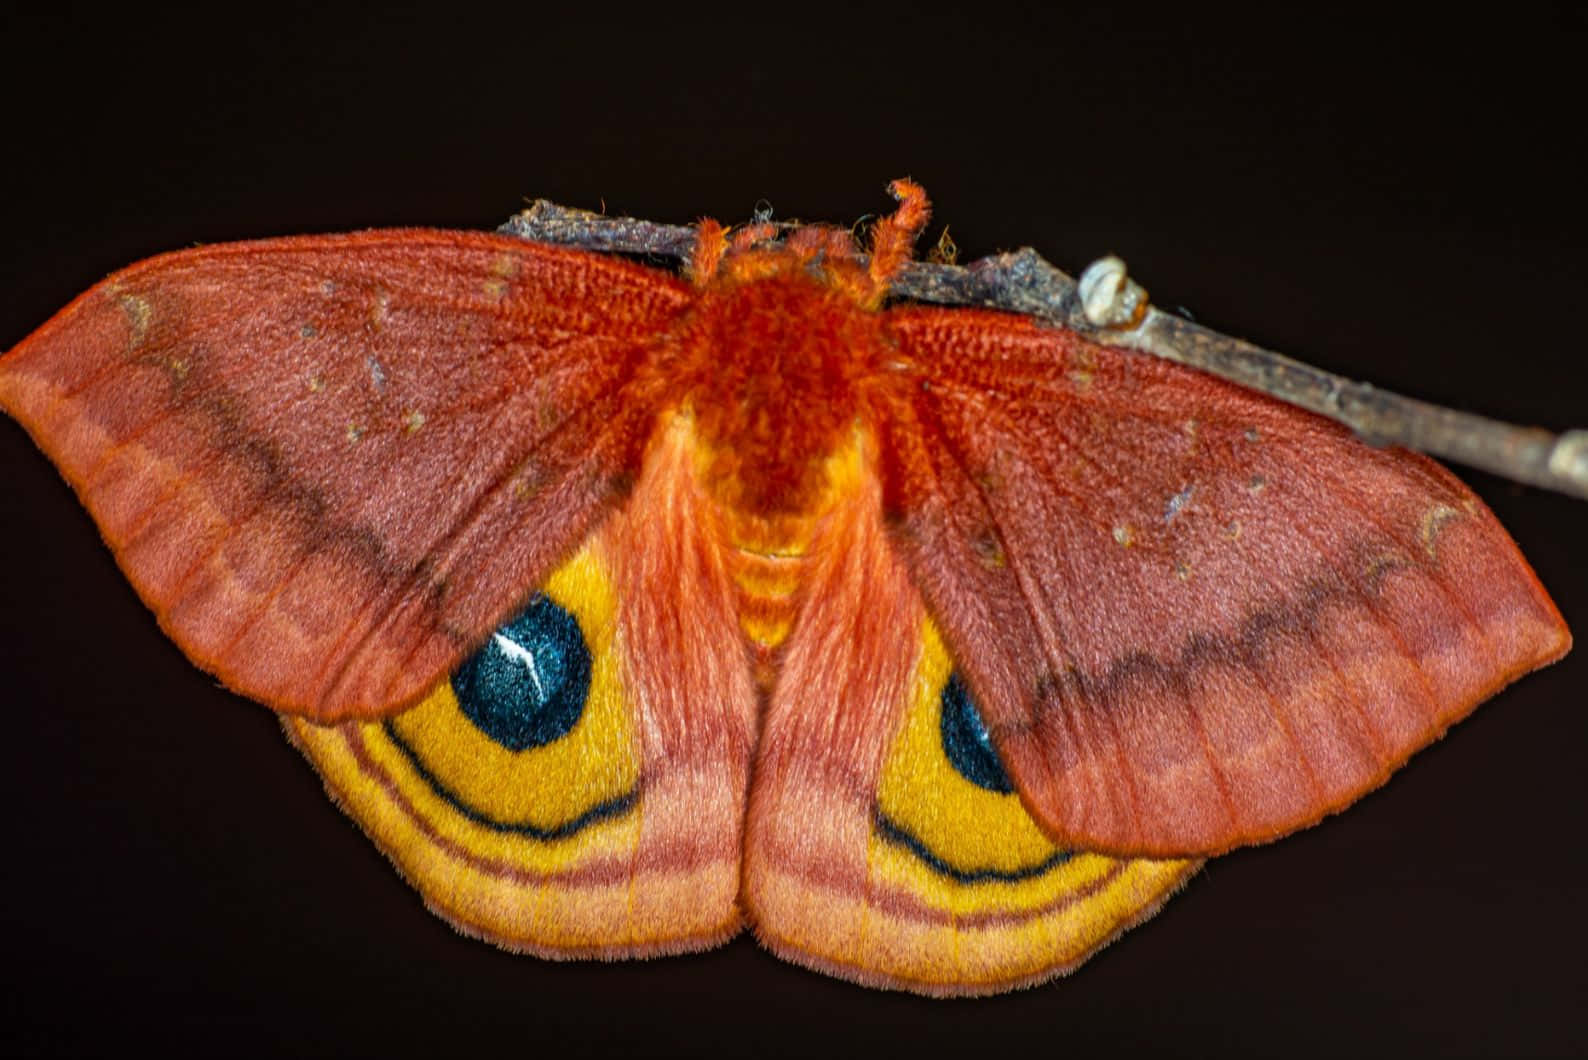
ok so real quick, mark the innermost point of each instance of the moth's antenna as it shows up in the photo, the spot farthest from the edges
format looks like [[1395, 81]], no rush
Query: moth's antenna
[[893, 239]]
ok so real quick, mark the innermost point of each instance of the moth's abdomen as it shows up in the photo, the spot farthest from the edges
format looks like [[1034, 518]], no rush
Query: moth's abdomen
[[771, 560]]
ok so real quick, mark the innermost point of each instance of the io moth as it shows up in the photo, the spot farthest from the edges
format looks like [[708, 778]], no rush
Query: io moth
[[626, 610]]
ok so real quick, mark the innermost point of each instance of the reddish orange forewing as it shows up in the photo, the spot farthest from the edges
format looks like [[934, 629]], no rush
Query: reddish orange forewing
[[332, 465], [1194, 616]]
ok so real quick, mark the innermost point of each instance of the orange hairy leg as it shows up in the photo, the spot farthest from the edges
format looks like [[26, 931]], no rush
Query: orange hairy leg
[[330, 465]]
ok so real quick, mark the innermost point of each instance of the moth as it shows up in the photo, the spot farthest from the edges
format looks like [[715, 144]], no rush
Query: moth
[[625, 610]]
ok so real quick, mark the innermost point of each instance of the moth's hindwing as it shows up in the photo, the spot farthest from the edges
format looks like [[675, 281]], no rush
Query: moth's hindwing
[[941, 883], [516, 797]]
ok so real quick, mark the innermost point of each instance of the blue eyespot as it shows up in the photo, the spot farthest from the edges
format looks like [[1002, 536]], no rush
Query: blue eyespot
[[966, 741], [528, 683]]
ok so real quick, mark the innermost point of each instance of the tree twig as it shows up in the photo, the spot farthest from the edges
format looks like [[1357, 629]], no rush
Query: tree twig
[[1109, 308]]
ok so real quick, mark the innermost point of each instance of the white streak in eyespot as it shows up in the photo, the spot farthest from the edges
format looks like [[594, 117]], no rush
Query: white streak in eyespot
[[525, 658], [1177, 502]]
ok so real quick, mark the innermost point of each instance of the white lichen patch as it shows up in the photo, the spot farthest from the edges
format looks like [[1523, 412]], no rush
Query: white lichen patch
[[1109, 297], [1124, 535], [413, 419]]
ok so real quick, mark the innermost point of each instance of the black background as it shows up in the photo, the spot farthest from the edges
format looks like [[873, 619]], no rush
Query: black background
[[1397, 202]]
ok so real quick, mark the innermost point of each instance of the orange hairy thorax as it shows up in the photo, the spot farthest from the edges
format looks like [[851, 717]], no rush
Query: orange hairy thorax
[[775, 368], [773, 371]]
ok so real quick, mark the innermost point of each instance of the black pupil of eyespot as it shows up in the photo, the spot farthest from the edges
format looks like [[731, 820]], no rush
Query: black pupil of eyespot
[[966, 741], [528, 683]]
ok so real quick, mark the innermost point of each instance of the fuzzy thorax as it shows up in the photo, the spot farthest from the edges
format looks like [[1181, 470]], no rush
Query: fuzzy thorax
[[777, 358], [777, 371]]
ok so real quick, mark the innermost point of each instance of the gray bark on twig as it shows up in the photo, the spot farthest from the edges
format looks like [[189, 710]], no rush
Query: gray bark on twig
[[1107, 308]]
